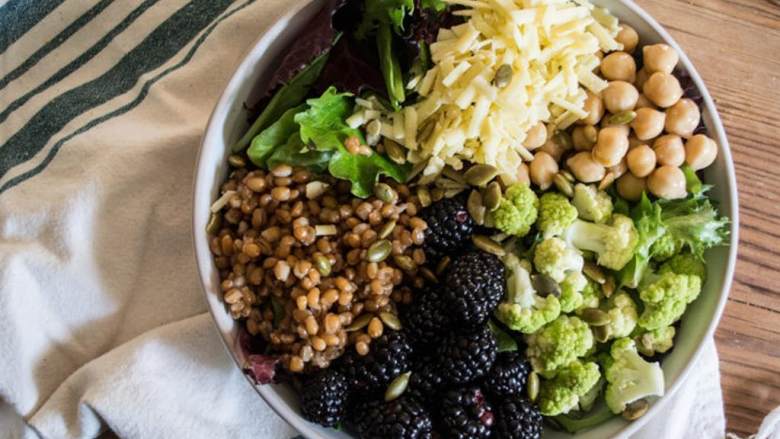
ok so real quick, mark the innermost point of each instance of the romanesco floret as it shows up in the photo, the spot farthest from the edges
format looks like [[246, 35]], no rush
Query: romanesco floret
[[614, 244], [571, 291], [623, 315], [556, 214], [554, 258], [517, 211], [665, 297], [656, 341], [558, 343], [591, 203], [685, 263], [522, 309], [562, 393], [665, 247], [629, 376]]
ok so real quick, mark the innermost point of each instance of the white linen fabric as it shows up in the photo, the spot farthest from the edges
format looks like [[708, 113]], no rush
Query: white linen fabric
[[102, 321]]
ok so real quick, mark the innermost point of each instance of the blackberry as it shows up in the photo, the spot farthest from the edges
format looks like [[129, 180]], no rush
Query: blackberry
[[426, 381], [324, 397], [466, 414], [465, 358], [388, 357], [425, 318], [449, 227], [402, 418], [518, 418], [508, 375], [473, 287]]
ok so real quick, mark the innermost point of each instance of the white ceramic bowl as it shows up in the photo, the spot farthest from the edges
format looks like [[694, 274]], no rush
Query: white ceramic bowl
[[228, 123]]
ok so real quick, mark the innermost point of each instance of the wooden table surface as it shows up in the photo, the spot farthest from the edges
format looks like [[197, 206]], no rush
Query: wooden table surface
[[735, 45]]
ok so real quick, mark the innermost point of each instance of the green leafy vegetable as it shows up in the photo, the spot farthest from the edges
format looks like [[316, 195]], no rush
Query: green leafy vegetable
[[323, 123], [294, 152], [391, 12], [278, 133], [391, 68], [650, 228], [289, 96], [504, 341], [695, 222], [436, 5], [692, 182], [364, 170]]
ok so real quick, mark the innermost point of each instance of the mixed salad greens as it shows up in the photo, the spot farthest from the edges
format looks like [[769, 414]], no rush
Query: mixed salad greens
[[596, 282]]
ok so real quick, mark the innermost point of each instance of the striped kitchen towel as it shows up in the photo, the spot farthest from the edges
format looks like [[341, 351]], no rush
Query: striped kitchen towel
[[102, 322]]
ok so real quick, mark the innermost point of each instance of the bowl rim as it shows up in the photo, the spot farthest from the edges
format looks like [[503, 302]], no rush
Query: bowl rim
[[264, 41]]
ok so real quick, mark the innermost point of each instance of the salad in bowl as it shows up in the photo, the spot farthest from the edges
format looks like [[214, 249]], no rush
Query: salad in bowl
[[467, 218]]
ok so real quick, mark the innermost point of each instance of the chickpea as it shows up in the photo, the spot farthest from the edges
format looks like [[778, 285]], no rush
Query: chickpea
[[633, 142], [643, 102], [536, 136], [584, 137], [619, 66], [523, 175], [648, 123], [660, 58], [594, 106], [700, 152], [669, 150], [641, 77], [641, 161], [619, 96], [584, 168], [542, 169], [611, 146], [667, 182], [554, 149], [662, 89], [618, 169], [631, 187], [683, 118], [628, 37]]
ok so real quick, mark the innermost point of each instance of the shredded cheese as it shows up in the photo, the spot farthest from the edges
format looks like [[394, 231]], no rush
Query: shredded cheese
[[466, 114]]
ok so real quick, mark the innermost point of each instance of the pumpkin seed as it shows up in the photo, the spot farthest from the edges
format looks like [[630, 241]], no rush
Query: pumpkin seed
[[607, 181], [450, 193], [323, 264], [428, 275], [475, 207], [532, 387], [591, 134], [622, 118], [595, 317], [387, 229], [374, 127], [608, 287], [602, 333], [390, 320], [359, 323], [405, 263], [499, 237], [545, 285], [426, 129], [486, 244], [492, 198], [416, 170], [384, 192], [503, 76], [437, 194], [379, 251], [563, 139], [424, 196], [594, 272], [395, 151], [563, 185], [480, 175], [397, 387], [453, 175], [447, 184], [442, 265], [215, 221], [635, 410], [567, 175], [236, 161]]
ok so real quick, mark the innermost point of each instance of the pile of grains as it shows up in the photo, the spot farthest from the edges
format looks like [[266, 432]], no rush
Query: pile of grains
[[311, 268]]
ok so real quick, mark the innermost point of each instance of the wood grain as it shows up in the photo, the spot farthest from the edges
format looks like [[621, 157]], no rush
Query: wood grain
[[735, 45]]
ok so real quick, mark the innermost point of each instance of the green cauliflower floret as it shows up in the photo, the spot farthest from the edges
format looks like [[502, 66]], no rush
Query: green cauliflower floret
[[665, 247], [523, 309], [613, 243], [665, 297], [572, 382], [623, 315], [517, 211], [685, 263], [554, 258], [591, 296], [556, 214], [571, 291], [629, 376], [591, 203], [656, 341], [559, 343]]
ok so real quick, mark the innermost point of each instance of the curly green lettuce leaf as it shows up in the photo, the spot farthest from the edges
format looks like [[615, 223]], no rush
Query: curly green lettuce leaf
[[364, 170], [294, 152], [650, 228], [324, 122], [390, 12]]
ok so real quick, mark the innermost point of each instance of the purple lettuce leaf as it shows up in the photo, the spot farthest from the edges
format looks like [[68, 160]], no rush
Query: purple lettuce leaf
[[261, 368], [352, 67]]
